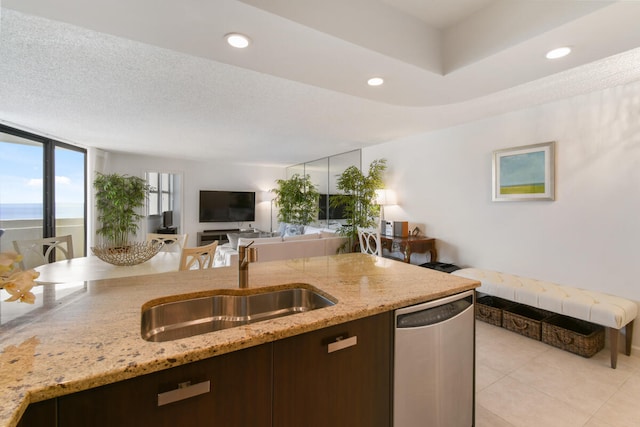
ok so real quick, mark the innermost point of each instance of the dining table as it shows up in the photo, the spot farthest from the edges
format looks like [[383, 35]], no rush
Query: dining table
[[93, 268]]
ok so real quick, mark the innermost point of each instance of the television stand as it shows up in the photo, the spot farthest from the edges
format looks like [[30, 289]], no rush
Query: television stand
[[209, 236], [167, 230]]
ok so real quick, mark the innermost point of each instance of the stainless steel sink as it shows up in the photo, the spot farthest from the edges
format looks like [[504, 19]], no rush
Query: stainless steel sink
[[194, 316]]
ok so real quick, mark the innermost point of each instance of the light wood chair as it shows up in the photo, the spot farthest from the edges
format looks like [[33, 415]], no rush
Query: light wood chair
[[369, 239], [198, 258], [37, 252], [172, 242]]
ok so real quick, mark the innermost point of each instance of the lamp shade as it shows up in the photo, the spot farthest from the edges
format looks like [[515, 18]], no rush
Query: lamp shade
[[266, 196], [385, 197]]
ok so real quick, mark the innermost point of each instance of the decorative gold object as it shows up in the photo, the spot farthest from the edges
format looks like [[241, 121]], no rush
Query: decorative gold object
[[132, 254], [16, 282]]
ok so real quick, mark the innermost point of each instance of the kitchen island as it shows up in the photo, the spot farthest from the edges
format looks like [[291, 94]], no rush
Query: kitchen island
[[83, 335]]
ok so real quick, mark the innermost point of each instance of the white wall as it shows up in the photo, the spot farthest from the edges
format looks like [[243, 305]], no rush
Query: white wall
[[198, 176], [587, 237]]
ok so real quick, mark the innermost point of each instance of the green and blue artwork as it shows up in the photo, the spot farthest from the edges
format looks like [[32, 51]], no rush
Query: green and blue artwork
[[523, 173]]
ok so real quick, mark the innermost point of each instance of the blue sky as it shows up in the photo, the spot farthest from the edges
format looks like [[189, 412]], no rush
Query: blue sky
[[527, 168], [21, 174]]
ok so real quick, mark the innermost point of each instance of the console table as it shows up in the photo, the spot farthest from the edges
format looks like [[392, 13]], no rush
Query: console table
[[411, 244]]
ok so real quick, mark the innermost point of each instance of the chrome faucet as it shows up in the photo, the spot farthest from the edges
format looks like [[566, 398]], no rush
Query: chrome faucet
[[245, 256]]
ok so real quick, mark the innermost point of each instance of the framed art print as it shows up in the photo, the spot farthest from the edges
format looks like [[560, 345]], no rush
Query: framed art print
[[524, 173]]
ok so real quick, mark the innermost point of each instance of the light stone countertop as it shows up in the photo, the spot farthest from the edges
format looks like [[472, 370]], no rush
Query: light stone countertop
[[86, 334]]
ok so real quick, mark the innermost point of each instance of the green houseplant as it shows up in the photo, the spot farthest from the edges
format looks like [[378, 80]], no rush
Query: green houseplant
[[297, 200], [358, 192], [118, 201]]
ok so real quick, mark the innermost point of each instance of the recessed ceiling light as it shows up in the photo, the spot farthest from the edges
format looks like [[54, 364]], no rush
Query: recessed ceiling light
[[375, 81], [558, 53], [238, 40]]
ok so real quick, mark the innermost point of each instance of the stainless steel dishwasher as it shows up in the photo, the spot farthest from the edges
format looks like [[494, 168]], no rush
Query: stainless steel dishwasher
[[434, 363]]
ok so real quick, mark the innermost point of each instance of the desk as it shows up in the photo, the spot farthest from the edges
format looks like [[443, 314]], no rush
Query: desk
[[411, 244], [93, 268]]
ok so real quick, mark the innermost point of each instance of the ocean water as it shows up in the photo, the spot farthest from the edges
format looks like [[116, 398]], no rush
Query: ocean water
[[34, 210]]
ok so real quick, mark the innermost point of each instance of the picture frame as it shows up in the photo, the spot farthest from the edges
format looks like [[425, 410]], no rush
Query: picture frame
[[524, 173]]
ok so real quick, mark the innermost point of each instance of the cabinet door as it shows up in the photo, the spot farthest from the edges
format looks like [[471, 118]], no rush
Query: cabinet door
[[315, 386], [41, 414], [240, 395]]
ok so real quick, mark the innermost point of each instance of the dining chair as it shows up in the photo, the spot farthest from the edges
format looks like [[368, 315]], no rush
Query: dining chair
[[369, 239], [37, 252], [172, 242], [198, 258]]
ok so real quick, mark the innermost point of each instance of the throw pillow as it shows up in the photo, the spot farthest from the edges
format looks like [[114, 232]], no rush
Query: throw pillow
[[312, 230], [233, 240], [293, 230]]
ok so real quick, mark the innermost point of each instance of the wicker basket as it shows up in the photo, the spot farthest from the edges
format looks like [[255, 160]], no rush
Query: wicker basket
[[574, 335], [489, 309], [525, 320], [132, 254]]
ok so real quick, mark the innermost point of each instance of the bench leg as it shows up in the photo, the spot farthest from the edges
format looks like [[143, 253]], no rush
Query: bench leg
[[628, 331], [613, 341]]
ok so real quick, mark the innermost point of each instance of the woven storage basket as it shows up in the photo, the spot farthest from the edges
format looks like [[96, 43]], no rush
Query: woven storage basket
[[525, 320], [489, 309], [574, 335]]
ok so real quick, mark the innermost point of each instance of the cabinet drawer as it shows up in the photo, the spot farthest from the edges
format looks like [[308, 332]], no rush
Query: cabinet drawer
[[234, 380]]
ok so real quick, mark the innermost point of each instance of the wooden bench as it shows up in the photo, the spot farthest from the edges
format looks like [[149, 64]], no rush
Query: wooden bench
[[610, 311]]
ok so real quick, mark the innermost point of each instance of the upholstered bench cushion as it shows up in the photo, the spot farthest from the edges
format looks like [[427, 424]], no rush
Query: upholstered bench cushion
[[596, 307]]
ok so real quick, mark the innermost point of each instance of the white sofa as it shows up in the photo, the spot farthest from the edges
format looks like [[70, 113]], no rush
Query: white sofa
[[279, 248]]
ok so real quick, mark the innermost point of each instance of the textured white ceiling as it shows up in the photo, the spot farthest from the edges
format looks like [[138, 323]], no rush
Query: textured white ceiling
[[146, 77]]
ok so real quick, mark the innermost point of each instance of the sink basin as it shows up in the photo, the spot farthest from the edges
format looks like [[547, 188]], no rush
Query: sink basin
[[199, 315]]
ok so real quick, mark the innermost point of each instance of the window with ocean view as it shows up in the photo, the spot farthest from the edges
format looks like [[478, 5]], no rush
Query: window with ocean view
[[42, 189]]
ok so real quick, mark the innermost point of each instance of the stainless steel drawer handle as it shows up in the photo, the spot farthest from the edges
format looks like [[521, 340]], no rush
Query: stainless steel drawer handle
[[342, 343], [184, 391]]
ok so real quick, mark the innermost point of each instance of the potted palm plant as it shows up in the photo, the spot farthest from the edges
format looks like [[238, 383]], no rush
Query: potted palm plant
[[297, 200], [119, 199], [358, 192]]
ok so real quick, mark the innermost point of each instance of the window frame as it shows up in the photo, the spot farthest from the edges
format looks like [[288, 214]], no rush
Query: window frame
[[49, 146]]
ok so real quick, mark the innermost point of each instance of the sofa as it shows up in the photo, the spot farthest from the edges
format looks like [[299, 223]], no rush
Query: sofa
[[275, 248]]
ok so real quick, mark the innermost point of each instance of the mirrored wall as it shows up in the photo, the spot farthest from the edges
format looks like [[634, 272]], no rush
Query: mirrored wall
[[324, 174]]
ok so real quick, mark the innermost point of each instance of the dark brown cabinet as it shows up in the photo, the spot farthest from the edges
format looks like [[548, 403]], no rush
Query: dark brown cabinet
[[337, 376], [40, 414], [240, 395]]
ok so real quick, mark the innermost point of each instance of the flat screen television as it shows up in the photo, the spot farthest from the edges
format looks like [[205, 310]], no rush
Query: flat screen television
[[227, 206], [337, 212]]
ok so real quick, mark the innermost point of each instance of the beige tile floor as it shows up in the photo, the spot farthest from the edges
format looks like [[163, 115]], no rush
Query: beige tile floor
[[521, 382]]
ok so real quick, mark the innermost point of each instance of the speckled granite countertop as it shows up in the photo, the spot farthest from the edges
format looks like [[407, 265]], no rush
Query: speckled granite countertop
[[85, 334]]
